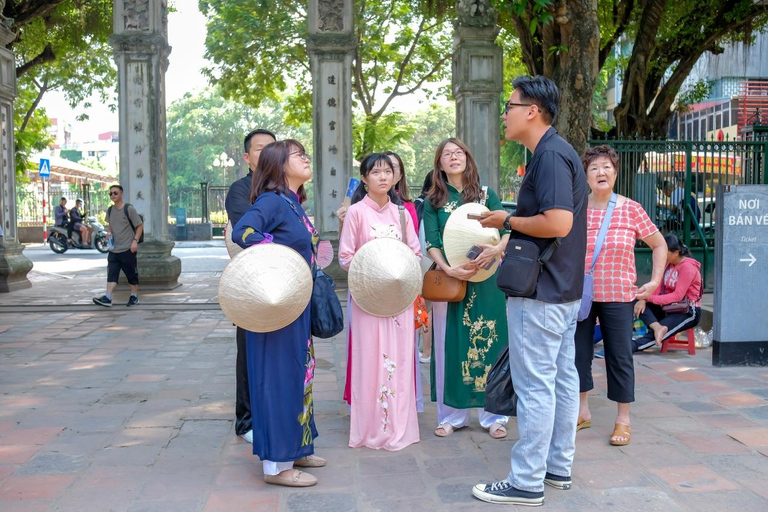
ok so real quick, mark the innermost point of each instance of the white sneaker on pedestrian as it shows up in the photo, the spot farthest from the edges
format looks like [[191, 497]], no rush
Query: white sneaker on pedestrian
[[248, 436]]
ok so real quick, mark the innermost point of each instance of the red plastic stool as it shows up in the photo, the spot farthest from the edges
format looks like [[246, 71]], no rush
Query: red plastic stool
[[680, 344]]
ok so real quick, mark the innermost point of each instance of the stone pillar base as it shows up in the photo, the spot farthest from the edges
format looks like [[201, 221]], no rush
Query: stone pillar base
[[14, 267], [157, 268]]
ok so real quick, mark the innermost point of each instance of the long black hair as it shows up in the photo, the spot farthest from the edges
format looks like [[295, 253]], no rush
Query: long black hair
[[366, 166], [402, 185], [674, 244]]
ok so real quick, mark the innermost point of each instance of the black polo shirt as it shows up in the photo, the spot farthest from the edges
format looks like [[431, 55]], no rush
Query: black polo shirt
[[554, 179], [238, 199]]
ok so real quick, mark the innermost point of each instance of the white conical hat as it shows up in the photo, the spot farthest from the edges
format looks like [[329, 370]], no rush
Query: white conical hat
[[384, 277], [461, 234], [265, 287], [232, 248]]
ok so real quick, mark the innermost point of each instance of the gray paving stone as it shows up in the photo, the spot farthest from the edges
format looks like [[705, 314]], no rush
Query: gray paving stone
[[52, 463], [313, 501]]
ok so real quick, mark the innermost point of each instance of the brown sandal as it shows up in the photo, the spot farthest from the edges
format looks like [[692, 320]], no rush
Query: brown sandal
[[621, 430]]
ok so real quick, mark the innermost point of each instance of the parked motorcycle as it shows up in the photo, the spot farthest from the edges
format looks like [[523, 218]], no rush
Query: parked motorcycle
[[57, 238]]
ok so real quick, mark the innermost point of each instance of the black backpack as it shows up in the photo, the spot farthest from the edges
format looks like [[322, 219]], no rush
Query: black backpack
[[128, 217]]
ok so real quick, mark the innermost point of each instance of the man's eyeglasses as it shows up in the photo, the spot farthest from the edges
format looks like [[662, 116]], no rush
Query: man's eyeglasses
[[302, 155], [508, 105], [114, 193]]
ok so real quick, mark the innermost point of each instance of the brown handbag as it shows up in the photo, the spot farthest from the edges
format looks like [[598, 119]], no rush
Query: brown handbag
[[440, 287]]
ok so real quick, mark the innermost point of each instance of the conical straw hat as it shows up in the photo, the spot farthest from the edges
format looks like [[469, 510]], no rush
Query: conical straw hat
[[265, 287], [462, 233], [384, 277], [232, 248]]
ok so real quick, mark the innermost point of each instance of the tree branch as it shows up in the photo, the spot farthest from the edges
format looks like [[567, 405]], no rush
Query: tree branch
[[408, 55], [42, 90], [620, 20], [25, 11], [395, 92], [694, 51], [46, 55]]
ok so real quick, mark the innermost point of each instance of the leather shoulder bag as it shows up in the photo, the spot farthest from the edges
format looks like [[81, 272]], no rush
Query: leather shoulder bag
[[438, 286]]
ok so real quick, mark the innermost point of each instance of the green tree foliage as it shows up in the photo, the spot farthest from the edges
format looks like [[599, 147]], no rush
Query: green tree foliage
[[400, 48], [202, 126], [571, 40], [61, 45]]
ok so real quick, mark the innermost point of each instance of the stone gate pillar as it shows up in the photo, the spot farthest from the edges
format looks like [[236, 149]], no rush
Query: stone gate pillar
[[477, 85], [14, 266], [140, 42], [331, 42]]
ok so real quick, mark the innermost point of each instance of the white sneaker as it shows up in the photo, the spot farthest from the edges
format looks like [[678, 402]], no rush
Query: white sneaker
[[248, 436]]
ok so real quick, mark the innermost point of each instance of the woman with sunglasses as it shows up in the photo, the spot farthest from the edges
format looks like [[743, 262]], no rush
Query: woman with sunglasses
[[283, 361], [468, 335]]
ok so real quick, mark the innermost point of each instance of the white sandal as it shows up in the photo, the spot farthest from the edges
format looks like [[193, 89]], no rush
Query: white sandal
[[496, 427], [447, 428]]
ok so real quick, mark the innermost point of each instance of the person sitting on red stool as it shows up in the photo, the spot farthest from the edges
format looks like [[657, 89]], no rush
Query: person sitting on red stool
[[682, 281]]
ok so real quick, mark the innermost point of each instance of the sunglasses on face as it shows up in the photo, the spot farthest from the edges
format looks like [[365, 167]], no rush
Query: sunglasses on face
[[114, 193]]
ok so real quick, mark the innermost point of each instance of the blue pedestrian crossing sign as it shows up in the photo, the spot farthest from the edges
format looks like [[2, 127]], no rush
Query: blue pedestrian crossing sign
[[45, 168]]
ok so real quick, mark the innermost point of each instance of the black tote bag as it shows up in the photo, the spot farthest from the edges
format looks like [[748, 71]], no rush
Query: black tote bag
[[500, 397], [325, 312]]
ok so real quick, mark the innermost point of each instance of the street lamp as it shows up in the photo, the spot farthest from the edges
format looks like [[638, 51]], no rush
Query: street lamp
[[223, 161]]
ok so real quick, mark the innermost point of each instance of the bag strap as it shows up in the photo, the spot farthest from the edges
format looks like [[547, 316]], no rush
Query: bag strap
[[603, 231], [484, 197], [544, 258], [125, 210], [402, 223], [298, 216]]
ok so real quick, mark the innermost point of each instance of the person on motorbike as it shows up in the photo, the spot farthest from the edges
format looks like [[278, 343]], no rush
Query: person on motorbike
[[61, 213], [76, 222]]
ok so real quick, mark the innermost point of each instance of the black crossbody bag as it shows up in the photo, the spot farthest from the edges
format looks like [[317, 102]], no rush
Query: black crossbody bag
[[519, 271]]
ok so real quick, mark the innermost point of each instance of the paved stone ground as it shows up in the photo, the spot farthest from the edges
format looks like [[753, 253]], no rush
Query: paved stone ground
[[131, 410]]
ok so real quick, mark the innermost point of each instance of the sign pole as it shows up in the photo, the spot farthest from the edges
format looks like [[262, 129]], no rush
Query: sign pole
[[45, 172], [45, 229]]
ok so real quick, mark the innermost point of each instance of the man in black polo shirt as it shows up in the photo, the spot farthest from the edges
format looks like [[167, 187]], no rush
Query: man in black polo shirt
[[238, 202], [551, 204]]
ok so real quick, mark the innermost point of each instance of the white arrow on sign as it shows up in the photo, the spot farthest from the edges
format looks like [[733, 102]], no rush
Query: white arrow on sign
[[751, 259]]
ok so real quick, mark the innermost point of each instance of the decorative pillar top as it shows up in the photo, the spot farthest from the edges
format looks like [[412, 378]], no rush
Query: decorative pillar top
[[475, 13], [330, 17], [141, 17]]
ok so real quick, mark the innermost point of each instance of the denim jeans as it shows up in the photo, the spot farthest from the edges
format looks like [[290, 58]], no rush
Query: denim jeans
[[541, 361]]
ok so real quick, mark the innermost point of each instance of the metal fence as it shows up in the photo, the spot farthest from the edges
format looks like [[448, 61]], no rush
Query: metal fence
[[676, 183], [29, 201], [190, 199]]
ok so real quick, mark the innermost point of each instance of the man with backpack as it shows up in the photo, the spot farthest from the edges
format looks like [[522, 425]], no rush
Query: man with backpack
[[126, 228]]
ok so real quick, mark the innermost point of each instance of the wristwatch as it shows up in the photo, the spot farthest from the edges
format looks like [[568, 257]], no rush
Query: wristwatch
[[506, 222]]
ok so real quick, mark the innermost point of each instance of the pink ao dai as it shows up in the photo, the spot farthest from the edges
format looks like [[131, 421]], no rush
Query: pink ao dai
[[383, 410]]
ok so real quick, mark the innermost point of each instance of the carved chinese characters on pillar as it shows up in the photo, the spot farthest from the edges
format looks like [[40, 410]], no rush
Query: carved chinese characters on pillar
[[136, 14], [330, 15], [140, 134]]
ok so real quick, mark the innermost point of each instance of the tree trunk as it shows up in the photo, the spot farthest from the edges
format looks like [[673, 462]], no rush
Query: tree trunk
[[576, 69]]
